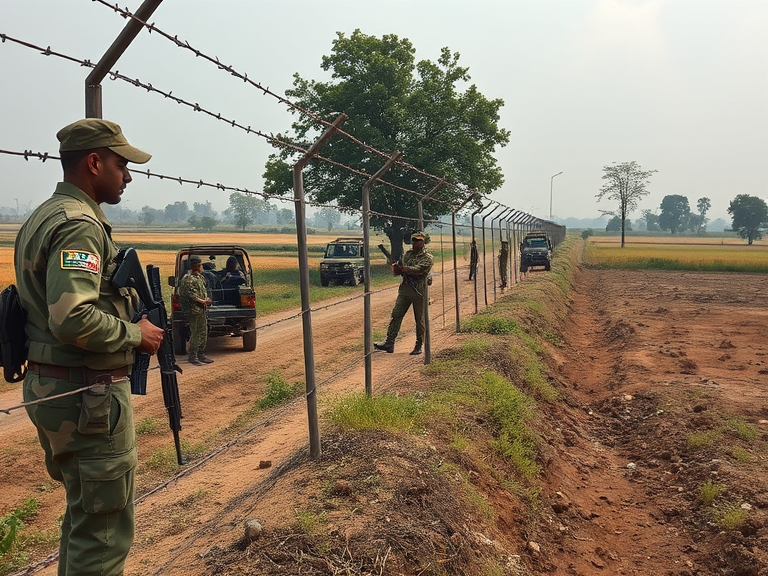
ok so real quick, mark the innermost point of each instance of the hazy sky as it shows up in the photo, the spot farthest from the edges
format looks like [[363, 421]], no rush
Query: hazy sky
[[680, 86]]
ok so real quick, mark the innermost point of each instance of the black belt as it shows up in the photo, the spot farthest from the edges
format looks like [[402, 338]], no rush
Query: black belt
[[76, 374]]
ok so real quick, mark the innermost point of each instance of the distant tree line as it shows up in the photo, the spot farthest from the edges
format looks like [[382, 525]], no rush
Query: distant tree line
[[627, 182]]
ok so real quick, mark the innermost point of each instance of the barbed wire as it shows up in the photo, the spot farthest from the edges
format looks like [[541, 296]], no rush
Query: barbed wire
[[199, 183], [125, 13], [195, 106]]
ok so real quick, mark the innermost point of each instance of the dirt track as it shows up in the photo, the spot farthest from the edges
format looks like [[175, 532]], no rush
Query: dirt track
[[649, 359]]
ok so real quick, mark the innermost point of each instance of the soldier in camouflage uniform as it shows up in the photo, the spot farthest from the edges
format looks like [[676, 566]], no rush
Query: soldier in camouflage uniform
[[503, 261], [193, 297], [80, 334], [415, 269]]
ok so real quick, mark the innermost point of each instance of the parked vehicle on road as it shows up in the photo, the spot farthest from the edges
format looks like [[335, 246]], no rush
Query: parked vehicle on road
[[535, 250], [233, 311], [343, 261]]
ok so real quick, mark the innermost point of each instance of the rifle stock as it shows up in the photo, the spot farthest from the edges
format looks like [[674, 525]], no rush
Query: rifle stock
[[129, 274]]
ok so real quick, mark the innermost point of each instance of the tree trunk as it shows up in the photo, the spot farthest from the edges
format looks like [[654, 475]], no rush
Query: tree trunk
[[395, 235]]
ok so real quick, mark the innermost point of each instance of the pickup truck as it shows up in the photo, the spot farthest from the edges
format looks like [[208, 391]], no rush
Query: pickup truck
[[233, 311]]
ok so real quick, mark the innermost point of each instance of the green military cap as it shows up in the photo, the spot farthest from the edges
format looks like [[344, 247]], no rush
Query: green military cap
[[418, 236], [195, 259], [91, 133]]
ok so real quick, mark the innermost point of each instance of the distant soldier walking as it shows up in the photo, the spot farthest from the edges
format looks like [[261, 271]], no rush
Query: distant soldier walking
[[194, 300], [415, 269], [503, 260]]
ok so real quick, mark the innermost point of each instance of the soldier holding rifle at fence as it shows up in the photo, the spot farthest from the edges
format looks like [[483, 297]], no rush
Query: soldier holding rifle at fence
[[81, 344], [415, 268]]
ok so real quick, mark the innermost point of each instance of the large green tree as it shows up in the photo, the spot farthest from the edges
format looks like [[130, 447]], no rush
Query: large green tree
[[675, 213], [245, 209], [625, 185], [750, 216], [394, 104]]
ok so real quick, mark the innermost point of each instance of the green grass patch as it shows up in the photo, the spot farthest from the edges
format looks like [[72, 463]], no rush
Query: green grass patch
[[730, 516], [385, 412], [164, 461], [703, 439], [744, 430], [278, 390], [16, 542], [489, 323], [510, 408], [150, 426], [708, 492]]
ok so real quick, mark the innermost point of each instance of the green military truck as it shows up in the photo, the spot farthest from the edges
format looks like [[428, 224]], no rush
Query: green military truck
[[233, 311], [343, 261], [535, 250]]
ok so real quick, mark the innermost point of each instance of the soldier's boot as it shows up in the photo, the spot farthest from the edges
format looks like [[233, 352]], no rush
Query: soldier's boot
[[416, 349], [386, 346], [203, 358], [194, 361]]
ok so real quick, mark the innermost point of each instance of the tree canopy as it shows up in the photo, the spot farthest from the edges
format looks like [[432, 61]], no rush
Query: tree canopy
[[750, 216], [393, 104], [675, 213], [626, 183]]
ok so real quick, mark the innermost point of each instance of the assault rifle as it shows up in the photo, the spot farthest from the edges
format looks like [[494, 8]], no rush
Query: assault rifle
[[129, 274]]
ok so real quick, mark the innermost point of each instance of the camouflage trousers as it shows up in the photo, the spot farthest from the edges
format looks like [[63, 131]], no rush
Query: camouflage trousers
[[90, 446], [198, 329], [407, 297]]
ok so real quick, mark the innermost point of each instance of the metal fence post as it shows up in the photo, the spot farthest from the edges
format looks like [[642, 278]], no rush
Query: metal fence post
[[306, 315], [368, 330], [93, 108], [485, 265], [472, 196], [479, 210], [425, 309]]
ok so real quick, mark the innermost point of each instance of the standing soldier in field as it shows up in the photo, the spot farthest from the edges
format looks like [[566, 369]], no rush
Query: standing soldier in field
[[415, 269], [503, 260], [193, 296], [81, 343]]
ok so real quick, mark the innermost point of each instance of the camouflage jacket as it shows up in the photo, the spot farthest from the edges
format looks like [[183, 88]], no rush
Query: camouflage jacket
[[416, 268], [192, 286], [64, 260]]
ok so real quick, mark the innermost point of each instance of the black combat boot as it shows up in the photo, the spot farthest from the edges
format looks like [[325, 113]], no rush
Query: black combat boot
[[416, 349], [386, 346], [203, 358], [194, 361]]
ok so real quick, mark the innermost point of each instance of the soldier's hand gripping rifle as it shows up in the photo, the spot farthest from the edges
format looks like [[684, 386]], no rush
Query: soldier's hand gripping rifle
[[397, 270], [129, 274]]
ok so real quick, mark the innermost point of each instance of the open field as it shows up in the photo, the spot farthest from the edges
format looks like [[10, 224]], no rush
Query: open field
[[732, 255]]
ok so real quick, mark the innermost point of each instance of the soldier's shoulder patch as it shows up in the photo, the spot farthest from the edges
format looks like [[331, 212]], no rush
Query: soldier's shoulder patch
[[80, 260]]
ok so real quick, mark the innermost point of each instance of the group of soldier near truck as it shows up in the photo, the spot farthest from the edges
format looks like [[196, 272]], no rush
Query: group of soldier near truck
[[82, 341]]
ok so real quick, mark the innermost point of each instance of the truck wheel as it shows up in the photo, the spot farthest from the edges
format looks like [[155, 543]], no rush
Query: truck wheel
[[179, 339], [547, 266], [249, 341], [523, 268], [355, 280], [324, 281]]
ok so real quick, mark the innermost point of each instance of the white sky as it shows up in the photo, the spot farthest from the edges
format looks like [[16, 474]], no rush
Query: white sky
[[680, 86]]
